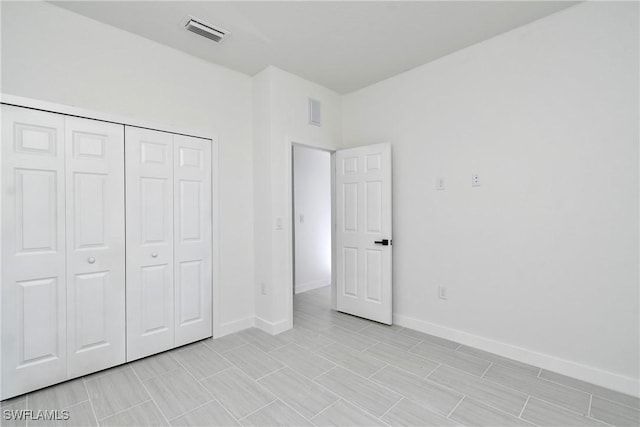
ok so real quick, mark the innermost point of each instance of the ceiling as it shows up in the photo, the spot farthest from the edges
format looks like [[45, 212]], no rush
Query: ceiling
[[343, 45]]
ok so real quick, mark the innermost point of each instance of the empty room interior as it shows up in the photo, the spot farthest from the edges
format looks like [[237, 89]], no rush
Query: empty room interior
[[320, 213]]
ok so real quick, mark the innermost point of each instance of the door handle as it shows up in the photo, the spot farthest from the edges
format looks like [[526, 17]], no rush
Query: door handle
[[383, 242]]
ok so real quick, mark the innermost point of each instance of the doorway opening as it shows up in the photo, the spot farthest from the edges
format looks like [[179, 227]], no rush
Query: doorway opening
[[312, 226]]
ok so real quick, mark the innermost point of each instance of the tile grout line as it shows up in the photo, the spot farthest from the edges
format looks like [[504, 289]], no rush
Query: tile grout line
[[426, 377], [386, 364], [599, 396], [456, 407], [151, 396], [485, 371], [392, 406], [123, 410], [414, 346], [258, 410], [524, 407], [93, 410], [272, 372], [228, 368], [332, 404]]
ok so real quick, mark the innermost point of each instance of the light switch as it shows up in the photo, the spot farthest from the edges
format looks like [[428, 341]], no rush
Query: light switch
[[279, 223], [440, 183]]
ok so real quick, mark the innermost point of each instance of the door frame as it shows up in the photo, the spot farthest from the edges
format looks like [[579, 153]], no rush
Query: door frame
[[35, 104], [291, 238]]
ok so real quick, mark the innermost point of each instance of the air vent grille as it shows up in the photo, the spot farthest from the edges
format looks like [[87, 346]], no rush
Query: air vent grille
[[205, 30]]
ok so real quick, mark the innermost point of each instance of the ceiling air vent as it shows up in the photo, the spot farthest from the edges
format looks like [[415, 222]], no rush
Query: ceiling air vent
[[205, 30]]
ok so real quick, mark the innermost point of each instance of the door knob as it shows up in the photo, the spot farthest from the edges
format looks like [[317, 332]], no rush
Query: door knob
[[383, 242], [154, 254], [91, 260]]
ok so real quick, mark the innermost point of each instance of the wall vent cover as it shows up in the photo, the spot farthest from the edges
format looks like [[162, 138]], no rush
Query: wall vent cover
[[205, 30], [314, 112]]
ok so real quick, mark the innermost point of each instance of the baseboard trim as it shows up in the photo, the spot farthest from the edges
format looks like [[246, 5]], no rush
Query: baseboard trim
[[309, 286], [273, 328], [627, 385], [235, 326]]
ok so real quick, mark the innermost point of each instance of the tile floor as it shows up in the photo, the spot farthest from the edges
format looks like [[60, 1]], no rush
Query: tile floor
[[330, 370]]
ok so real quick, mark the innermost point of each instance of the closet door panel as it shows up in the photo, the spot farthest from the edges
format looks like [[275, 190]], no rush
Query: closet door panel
[[149, 218], [96, 245], [192, 210], [32, 288]]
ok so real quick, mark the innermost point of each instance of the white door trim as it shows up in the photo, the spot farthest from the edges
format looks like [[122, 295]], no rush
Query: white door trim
[[35, 104]]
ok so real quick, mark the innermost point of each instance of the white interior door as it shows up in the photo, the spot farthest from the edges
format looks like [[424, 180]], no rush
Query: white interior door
[[149, 219], [363, 232], [95, 245], [192, 249], [33, 284]]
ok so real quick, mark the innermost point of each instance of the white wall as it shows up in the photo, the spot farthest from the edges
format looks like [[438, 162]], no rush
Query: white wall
[[312, 219], [541, 260], [281, 118], [52, 54]]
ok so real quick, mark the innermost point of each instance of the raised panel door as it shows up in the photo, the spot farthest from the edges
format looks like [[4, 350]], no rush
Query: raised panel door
[[192, 219], [33, 278], [150, 240], [95, 245]]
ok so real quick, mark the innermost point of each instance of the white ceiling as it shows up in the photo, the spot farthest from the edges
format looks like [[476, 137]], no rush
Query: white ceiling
[[343, 45]]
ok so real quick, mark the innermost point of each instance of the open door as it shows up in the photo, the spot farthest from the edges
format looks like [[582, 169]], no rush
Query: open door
[[363, 232]]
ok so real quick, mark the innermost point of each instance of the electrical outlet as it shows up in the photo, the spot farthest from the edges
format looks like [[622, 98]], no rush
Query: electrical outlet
[[440, 183], [263, 288], [475, 180], [442, 292]]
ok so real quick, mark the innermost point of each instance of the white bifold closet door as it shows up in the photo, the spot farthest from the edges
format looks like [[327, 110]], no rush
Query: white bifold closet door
[[168, 180], [62, 286], [95, 245]]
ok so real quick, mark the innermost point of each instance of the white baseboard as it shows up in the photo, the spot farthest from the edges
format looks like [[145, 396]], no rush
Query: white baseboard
[[235, 326], [627, 385], [309, 286], [273, 328]]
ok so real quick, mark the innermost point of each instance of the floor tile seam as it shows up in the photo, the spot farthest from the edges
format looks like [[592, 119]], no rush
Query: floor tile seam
[[390, 364], [449, 365], [88, 399], [202, 406], [392, 406], [324, 373], [124, 410], [485, 371], [219, 353], [524, 407], [502, 411], [455, 407], [555, 404], [295, 410], [562, 408], [528, 392], [365, 410], [273, 372], [546, 383], [374, 382], [592, 394], [259, 409], [211, 396], [151, 396], [325, 409], [385, 365], [228, 368], [493, 362]]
